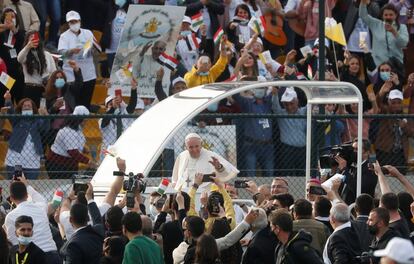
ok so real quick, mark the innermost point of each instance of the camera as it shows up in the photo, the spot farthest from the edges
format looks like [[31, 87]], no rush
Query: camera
[[18, 172], [213, 203], [80, 183], [365, 257], [132, 185], [240, 184], [345, 151]]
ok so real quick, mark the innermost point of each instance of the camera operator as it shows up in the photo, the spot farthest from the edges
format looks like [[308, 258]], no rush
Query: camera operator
[[347, 165], [378, 221]]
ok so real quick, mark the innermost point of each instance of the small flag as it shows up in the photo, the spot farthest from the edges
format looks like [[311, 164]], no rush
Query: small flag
[[265, 57], [57, 56], [334, 31], [87, 47], [310, 75], [168, 61], [193, 42], [163, 186], [232, 78], [6, 80], [96, 44], [196, 21], [57, 198], [218, 35], [107, 152], [258, 25]]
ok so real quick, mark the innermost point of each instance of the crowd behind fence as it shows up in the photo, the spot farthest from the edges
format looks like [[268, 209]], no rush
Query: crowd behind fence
[[391, 143]]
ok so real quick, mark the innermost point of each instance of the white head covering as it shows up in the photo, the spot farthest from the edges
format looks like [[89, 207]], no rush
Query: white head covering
[[191, 135], [289, 95]]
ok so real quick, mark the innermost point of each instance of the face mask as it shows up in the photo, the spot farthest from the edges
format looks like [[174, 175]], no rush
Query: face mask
[[185, 32], [373, 229], [24, 240], [59, 83], [259, 93], [27, 112], [120, 3], [203, 73], [14, 21], [385, 76], [212, 107], [74, 27]]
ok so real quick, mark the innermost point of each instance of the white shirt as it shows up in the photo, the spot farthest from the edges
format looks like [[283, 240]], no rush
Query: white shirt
[[69, 40], [188, 57], [68, 139], [326, 259], [27, 157], [291, 5], [116, 30], [36, 207], [36, 77]]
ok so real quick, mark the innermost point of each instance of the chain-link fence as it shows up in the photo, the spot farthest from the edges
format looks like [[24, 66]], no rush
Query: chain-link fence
[[260, 145]]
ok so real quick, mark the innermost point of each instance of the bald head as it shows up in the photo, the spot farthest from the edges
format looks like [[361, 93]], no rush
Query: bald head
[[146, 226]]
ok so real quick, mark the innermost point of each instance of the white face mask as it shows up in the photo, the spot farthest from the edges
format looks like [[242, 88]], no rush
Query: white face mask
[[24, 240], [75, 27], [27, 112]]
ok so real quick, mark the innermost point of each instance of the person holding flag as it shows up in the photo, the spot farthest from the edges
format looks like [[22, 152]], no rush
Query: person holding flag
[[209, 10], [188, 44], [76, 44], [203, 72], [238, 29]]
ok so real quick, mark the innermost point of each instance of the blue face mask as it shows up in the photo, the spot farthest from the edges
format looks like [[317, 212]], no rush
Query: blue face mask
[[212, 107], [27, 112], [185, 32], [59, 83], [385, 76], [203, 73], [259, 93], [120, 3], [24, 240]]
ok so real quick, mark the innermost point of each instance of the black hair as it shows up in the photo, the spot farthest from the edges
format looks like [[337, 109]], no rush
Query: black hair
[[206, 250], [245, 8], [405, 199], [390, 201], [322, 206], [285, 199], [364, 204], [195, 225], [18, 191], [23, 219], [382, 215], [132, 222], [303, 209], [79, 214], [186, 202], [394, 9], [116, 246], [114, 218], [35, 62]]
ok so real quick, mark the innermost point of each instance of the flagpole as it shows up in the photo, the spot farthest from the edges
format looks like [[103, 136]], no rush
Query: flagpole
[[336, 61]]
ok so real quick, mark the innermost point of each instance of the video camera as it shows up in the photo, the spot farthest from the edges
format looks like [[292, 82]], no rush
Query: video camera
[[366, 257], [132, 185], [345, 151]]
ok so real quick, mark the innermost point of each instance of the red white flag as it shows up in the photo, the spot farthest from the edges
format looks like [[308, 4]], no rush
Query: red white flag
[[168, 61]]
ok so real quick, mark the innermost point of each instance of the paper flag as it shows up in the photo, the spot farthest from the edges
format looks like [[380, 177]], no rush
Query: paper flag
[[86, 47], [6, 80], [163, 186]]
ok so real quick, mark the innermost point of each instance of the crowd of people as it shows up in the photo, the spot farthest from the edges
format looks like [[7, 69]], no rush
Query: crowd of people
[[215, 228], [55, 74]]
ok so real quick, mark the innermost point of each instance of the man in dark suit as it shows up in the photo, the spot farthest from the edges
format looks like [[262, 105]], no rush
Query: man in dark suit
[[343, 245], [85, 245], [263, 243], [363, 206]]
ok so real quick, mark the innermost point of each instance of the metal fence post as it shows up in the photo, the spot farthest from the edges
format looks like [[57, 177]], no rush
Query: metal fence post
[[119, 127]]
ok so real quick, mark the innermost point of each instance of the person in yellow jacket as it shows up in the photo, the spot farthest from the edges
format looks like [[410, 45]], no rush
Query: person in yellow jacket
[[217, 199], [203, 72]]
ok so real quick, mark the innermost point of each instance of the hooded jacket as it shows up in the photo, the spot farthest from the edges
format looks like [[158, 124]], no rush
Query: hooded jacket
[[298, 250]]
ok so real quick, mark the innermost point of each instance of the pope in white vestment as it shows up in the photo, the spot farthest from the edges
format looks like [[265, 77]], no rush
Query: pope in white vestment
[[196, 159]]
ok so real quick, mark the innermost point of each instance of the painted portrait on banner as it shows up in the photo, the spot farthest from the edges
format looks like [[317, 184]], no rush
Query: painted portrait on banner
[[147, 44]]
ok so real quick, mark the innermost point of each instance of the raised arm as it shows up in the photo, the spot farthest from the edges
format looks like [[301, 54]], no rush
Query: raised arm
[[384, 185]]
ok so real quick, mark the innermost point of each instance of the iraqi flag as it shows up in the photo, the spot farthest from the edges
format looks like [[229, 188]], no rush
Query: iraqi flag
[[168, 61], [258, 25], [196, 21], [218, 35], [232, 78], [193, 42]]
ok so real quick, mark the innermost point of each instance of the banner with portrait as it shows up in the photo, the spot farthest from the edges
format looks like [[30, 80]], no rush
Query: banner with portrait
[[149, 36]]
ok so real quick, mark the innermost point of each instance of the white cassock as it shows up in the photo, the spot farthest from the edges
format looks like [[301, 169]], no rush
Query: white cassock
[[186, 167]]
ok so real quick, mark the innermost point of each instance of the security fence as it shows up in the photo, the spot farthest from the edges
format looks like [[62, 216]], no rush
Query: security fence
[[39, 144]]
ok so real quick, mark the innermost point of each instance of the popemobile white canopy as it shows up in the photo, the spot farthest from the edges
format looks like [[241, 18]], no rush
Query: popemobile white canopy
[[142, 143]]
